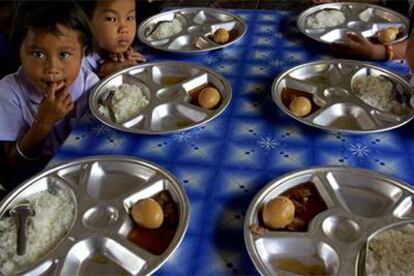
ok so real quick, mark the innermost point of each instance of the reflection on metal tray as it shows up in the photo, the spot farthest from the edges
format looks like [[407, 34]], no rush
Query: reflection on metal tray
[[103, 188], [171, 89], [362, 19], [196, 33], [331, 87], [359, 203]]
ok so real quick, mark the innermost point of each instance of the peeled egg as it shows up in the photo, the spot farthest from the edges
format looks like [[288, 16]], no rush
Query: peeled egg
[[221, 36], [300, 106], [278, 212], [388, 35], [209, 97], [147, 213]]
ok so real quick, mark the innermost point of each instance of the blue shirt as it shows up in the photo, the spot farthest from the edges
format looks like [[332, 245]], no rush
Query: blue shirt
[[19, 103]]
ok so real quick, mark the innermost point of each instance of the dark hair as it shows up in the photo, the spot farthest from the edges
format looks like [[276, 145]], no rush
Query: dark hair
[[88, 6], [46, 15]]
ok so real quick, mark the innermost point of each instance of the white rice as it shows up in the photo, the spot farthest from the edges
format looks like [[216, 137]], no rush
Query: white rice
[[53, 218], [391, 252], [325, 19], [167, 29], [365, 15], [129, 99], [378, 92]]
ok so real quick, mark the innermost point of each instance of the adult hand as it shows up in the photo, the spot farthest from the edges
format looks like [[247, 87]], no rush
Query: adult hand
[[55, 105], [359, 47]]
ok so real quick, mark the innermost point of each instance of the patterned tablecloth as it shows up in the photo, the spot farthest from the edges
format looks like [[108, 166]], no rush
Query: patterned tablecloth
[[224, 163]]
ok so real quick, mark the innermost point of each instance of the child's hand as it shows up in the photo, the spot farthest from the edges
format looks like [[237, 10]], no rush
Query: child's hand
[[132, 55], [129, 55], [359, 47], [56, 104], [109, 67]]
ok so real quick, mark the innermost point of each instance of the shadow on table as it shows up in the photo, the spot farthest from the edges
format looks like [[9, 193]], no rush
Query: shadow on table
[[228, 235], [291, 32]]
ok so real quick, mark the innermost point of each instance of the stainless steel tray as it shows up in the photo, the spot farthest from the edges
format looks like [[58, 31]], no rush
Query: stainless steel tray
[[199, 24], [330, 84], [359, 203], [363, 19], [103, 188], [170, 108]]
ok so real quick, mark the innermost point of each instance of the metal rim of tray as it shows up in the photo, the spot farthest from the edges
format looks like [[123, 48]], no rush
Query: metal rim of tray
[[329, 244], [301, 20], [143, 74], [86, 228], [239, 21], [382, 120]]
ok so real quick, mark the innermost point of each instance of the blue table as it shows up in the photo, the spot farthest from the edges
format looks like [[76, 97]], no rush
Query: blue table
[[224, 163]]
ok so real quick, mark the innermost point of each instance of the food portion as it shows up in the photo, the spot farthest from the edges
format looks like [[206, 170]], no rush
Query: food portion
[[221, 36], [391, 252], [299, 103], [209, 97], [166, 29], [146, 216], [127, 101], [300, 106], [171, 79], [388, 35], [276, 214], [147, 213], [325, 19], [366, 15], [379, 92], [206, 97], [315, 267], [54, 215]]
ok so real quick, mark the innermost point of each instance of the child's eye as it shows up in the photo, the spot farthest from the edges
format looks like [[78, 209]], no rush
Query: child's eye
[[110, 19], [38, 54], [131, 18], [65, 55]]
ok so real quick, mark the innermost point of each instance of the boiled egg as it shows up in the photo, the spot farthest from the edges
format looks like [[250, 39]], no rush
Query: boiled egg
[[209, 97], [221, 36], [278, 212], [147, 213], [300, 106], [388, 35]]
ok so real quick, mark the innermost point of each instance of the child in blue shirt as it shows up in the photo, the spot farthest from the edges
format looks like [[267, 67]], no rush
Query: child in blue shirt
[[114, 26], [44, 98]]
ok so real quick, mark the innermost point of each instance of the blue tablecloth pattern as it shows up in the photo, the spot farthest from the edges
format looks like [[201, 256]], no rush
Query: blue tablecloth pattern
[[225, 162]]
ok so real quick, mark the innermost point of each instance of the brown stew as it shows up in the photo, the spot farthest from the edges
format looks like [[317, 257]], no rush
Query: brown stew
[[308, 203], [157, 240]]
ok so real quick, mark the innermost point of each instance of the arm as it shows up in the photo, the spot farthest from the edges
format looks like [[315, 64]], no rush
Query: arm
[[410, 53], [360, 47], [54, 107], [117, 62]]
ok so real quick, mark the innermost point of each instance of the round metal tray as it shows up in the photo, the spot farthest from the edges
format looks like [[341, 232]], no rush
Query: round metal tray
[[334, 94], [170, 109], [359, 203], [199, 24], [104, 188], [377, 19]]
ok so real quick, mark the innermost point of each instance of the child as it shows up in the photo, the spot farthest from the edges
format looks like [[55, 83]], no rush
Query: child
[[114, 26], [40, 102]]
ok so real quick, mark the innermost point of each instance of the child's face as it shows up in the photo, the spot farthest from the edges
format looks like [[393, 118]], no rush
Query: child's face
[[114, 24], [47, 57]]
